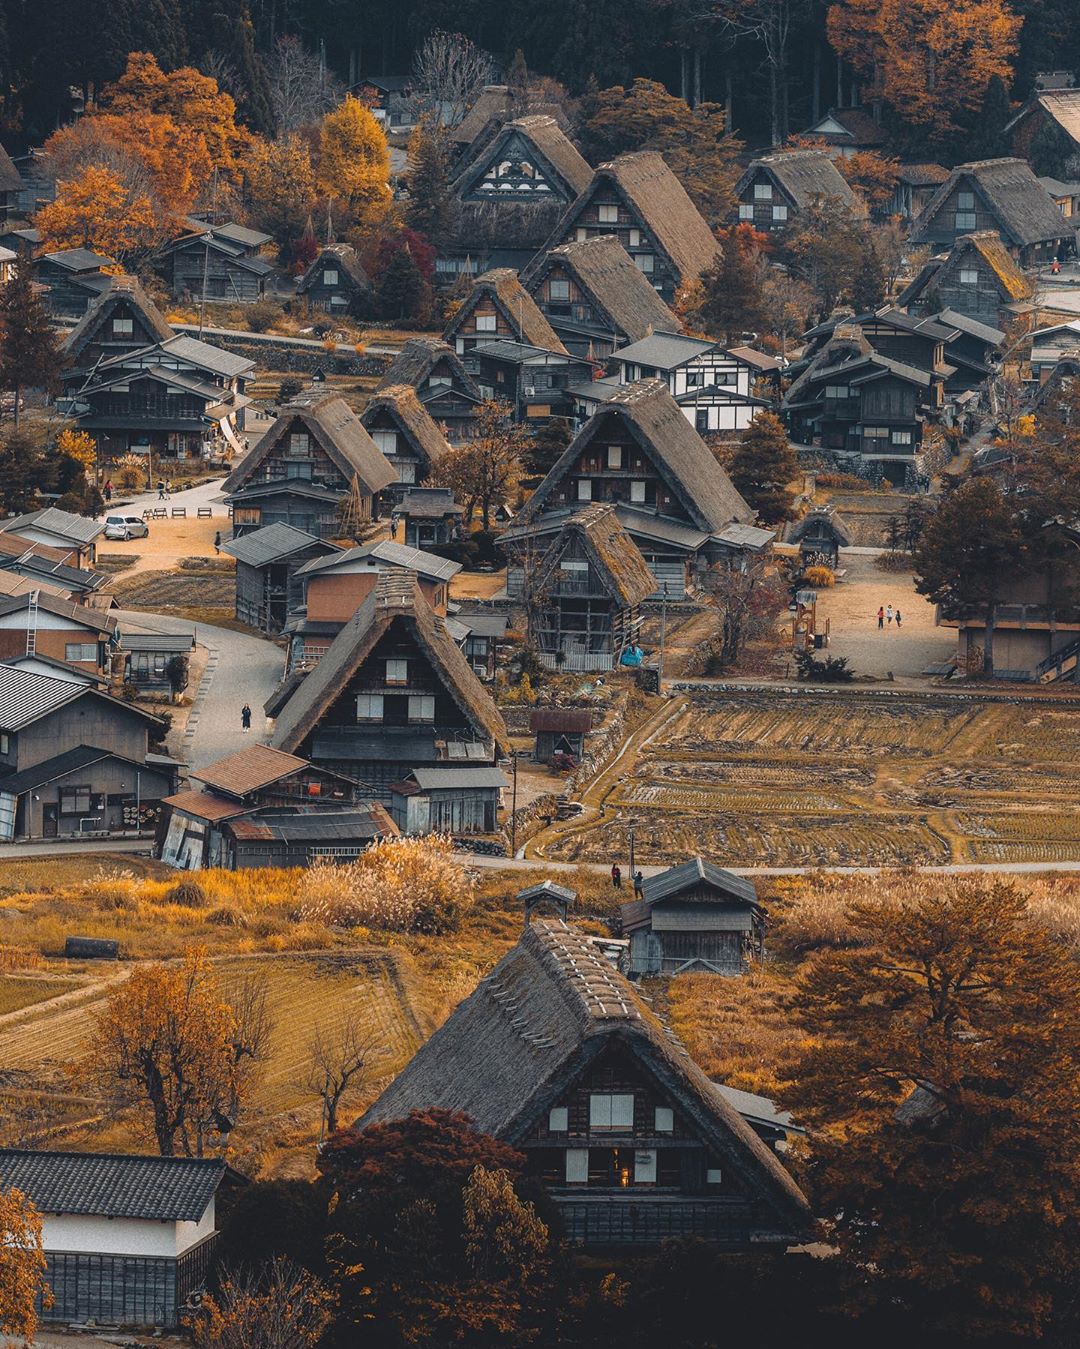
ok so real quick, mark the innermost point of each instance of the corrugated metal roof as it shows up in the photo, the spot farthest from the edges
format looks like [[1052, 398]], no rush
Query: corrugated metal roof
[[25, 696], [162, 1189], [697, 869], [437, 779], [269, 544], [63, 524], [665, 351], [156, 641], [207, 356]]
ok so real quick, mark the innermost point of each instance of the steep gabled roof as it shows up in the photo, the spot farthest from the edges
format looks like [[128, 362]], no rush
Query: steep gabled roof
[[1011, 192], [272, 543], [554, 150], [416, 360], [411, 418], [160, 1189], [249, 769], [532, 1028], [614, 555], [1060, 105], [679, 454], [10, 178], [802, 174], [1011, 282], [607, 274], [815, 515], [396, 598], [343, 256], [334, 425], [675, 880], [856, 127], [501, 285], [663, 204], [123, 290], [493, 104]]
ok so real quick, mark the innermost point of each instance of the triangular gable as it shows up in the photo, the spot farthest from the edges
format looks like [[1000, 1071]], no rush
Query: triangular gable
[[611, 552], [411, 418], [535, 143], [125, 298], [516, 306]]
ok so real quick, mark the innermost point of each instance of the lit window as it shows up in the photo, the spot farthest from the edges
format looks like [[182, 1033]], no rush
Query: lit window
[[422, 707], [637, 492], [369, 707], [486, 323], [614, 456], [80, 651], [584, 489], [779, 212], [558, 289], [558, 1119], [645, 262], [876, 432], [611, 1112], [607, 215], [123, 327], [577, 1166], [746, 211], [665, 1120], [397, 671], [763, 191], [965, 220], [330, 276], [969, 276]]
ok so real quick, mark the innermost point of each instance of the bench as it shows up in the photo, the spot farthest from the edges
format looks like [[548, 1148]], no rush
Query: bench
[[160, 513], [206, 513], [148, 513], [179, 512]]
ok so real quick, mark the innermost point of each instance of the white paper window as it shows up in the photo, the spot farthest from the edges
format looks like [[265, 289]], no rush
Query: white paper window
[[901, 437], [746, 210], [965, 201], [386, 441], [608, 215], [965, 220], [779, 212], [397, 671], [714, 1176], [422, 707], [558, 1119], [299, 442], [486, 323], [330, 276], [584, 489], [80, 651], [876, 432], [763, 191], [665, 1120], [123, 327], [969, 276], [635, 238], [836, 391], [614, 456], [644, 1167], [645, 262], [559, 289], [611, 1112], [573, 564], [121, 388], [581, 235], [369, 707], [577, 1166], [637, 491], [406, 473], [5, 742]]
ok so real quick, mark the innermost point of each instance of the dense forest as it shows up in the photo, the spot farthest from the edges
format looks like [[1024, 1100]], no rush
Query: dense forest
[[775, 64]]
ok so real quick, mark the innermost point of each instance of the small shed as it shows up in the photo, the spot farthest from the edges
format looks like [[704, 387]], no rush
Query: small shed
[[695, 916], [299, 838], [267, 561], [148, 655], [547, 897], [820, 534], [559, 730], [432, 516], [448, 800], [336, 282]]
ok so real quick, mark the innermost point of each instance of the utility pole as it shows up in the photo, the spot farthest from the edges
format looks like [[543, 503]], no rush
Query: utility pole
[[631, 852], [663, 636], [513, 810], [208, 238]]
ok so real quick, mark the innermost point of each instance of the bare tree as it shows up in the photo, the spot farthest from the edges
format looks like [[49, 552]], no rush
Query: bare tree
[[338, 1058], [249, 1042], [449, 72], [301, 88], [749, 604], [278, 1307], [220, 66]]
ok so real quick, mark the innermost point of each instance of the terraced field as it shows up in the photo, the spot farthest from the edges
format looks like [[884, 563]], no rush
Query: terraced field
[[774, 777]]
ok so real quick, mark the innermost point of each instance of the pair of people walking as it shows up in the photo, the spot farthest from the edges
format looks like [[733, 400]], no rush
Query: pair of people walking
[[886, 614], [638, 879]]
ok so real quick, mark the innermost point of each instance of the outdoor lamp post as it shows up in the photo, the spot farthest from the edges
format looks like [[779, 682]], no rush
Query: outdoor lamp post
[[631, 852]]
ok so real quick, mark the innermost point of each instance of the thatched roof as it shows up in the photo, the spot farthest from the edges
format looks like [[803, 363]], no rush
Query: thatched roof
[[613, 554], [857, 128], [529, 1033], [502, 287], [418, 357], [400, 402], [10, 179], [646, 184], [492, 105], [397, 598], [1060, 105], [1010, 192], [675, 449], [831, 516], [608, 276], [802, 175], [1012, 283], [335, 427], [553, 149], [342, 256], [123, 290]]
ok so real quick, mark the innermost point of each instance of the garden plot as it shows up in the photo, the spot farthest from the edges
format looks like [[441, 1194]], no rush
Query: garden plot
[[771, 777]]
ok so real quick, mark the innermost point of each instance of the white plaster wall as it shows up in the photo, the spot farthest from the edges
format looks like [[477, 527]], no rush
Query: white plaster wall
[[124, 1236]]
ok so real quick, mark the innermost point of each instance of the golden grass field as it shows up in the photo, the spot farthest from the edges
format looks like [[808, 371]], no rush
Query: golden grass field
[[772, 777]]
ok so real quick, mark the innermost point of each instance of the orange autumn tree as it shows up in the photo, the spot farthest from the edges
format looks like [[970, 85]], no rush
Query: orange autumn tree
[[354, 160], [929, 60], [22, 1265], [78, 445], [99, 211]]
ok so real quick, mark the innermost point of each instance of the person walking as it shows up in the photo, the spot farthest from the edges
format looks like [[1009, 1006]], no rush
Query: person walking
[[889, 615], [616, 875], [245, 717], [161, 489], [107, 490], [881, 616], [639, 884], [898, 618]]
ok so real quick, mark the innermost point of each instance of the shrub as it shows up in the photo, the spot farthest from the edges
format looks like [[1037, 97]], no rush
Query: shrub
[[289, 388], [187, 892], [893, 561], [262, 316], [831, 670], [848, 482], [820, 577], [399, 884], [227, 915]]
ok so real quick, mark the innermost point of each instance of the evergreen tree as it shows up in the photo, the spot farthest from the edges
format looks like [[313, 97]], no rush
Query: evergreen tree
[[989, 140], [731, 289], [23, 472], [517, 82], [431, 208], [764, 467], [402, 292], [868, 283], [29, 349]]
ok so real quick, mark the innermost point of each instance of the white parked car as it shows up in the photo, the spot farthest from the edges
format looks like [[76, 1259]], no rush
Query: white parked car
[[126, 527]]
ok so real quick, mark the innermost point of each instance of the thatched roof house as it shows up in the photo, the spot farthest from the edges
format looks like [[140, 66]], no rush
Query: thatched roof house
[[403, 431], [794, 179], [122, 319], [498, 306]]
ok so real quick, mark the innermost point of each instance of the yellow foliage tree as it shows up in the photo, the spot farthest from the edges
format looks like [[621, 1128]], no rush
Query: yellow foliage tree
[[97, 210], [279, 180], [22, 1265], [78, 445], [354, 159]]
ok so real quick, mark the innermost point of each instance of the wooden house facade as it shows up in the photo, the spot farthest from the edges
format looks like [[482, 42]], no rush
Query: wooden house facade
[[713, 387], [555, 1054], [536, 383], [978, 278], [583, 599], [336, 283], [430, 516], [820, 534], [595, 298], [693, 918], [559, 730], [448, 800], [445, 388], [638, 199], [498, 308], [305, 465], [405, 435], [773, 190], [72, 279], [146, 657], [1046, 130], [267, 561], [393, 693], [73, 536], [846, 131], [120, 321], [39, 623], [1002, 196], [915, 185], [11, 185], [225, 260]]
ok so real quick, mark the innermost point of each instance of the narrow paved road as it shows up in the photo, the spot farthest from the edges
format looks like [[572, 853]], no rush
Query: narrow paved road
[[239, 669]]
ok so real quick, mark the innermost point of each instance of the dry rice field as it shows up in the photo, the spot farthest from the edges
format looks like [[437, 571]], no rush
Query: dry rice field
[[776, 777]]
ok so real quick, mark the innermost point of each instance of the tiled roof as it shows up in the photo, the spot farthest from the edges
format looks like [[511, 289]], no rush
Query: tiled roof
[[51, 520], [271, 544], [249, 769], [161, 1189]]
